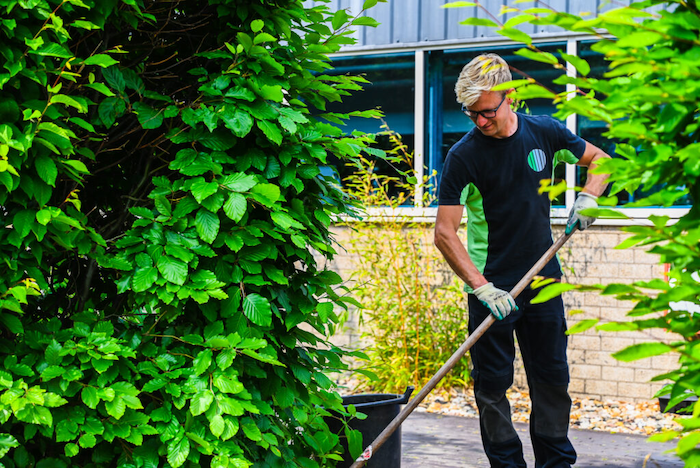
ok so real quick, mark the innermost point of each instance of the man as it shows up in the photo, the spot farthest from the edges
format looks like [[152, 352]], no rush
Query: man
[[495, 170]]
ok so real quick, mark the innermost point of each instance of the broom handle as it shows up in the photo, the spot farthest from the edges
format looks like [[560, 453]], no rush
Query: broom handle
[[459, 354]]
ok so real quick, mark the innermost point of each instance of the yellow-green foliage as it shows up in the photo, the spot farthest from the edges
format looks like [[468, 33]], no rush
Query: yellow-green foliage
[[414, 312]]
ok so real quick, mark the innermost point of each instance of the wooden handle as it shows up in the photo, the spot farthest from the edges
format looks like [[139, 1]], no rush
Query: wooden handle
[[459, 354]]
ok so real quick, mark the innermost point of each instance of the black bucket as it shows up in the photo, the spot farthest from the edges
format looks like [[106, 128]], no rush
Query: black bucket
[[381, 409]]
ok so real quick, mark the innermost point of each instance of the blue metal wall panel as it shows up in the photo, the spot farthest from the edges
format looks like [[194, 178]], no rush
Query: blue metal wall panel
[[406, 18], [411, 23], [433, 25]]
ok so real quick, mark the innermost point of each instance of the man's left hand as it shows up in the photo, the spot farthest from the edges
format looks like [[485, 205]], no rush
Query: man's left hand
[[584, 201]]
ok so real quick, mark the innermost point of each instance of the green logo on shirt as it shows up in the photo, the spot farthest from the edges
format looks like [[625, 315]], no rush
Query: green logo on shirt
[[536, 160]]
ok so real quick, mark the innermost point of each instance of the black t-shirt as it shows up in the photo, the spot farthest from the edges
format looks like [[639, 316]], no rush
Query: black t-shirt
[[508, 226]]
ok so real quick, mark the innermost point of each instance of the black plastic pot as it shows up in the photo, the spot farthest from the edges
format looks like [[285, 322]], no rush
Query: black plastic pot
[[381, 409], [676, 409]]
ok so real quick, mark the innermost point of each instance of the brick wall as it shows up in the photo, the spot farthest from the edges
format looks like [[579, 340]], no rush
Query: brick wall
[[589, 257]]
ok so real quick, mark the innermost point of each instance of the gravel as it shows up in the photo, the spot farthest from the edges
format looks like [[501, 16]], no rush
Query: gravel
[[612, 416]]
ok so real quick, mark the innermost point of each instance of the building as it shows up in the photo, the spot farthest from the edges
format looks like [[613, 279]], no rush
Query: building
[[412, 60]]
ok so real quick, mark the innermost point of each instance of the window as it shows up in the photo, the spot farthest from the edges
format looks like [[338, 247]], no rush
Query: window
[[391, 88], [415, 90]]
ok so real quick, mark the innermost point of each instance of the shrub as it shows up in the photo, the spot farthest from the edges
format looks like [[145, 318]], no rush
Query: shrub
[[413, 312], [161, 199]]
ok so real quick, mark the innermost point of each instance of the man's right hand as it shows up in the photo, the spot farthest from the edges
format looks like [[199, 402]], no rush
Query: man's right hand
[[499, 302]]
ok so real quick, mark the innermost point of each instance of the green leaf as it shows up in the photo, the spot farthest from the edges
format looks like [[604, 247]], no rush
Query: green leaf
[[582, 326], [238, 121], [479, 22], [641, 351], [267, 194], [257, 309], [52, 49], [257, 25], [217, 425], [144, 278], [538, 56], [23, 221], [71, 450], [90, 397], [7, 442], [271, 131], [82, 24], [365, 21], [354, 442], [172, 269], [552, 291], [235, 207], [110, 110], [163, 206], [202, 362], [459, 4], [87, 441], [207, 225], [515, 34], [339, 19], [285, 221], [534, 91], [240, 92], [52, 372], [239, 182], [47, 170], [68, 101], [201, 402], [178, 451], [101, 60], [101, 88], [116, 408], [369, 4], [582, 67], [264, 37], [250, 429], [148, 117], [203, 189], [12, 322]]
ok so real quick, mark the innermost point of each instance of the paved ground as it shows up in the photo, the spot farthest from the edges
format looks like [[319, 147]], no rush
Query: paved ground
[[434, 441]]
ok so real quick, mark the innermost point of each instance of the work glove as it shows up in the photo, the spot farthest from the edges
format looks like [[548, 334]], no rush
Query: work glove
[[499, 302], [584, 201]]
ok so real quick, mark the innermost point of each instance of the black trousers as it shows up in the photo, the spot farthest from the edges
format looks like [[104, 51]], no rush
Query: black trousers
[[540, 330]]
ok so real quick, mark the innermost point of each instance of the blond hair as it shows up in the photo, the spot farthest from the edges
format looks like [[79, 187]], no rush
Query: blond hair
[[481, 74]]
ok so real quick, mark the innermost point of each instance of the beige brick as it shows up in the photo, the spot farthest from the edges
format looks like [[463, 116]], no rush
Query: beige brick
[[601, 387], [613, 344], [601, 270], [614, 314], [576, 386], [577, 356], [585, 342], [641, 256], [620, 256], [634, 390], [635, 272], [596, 299], [585, 371], [606, 240], [665, 362], [645, 375], [602, 358], [632, 365], [618, 373]]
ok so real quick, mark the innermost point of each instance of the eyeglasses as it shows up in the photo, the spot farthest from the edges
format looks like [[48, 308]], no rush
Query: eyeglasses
[[488, 113]]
